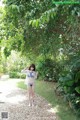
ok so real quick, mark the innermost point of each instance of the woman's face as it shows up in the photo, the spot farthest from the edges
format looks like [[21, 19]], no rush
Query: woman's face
[[32, 69]]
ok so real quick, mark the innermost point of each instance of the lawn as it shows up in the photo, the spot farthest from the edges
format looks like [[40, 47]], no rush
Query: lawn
[[46, 90]]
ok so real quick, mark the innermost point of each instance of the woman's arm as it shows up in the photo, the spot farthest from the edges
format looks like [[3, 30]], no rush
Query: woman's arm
[[24, 71]]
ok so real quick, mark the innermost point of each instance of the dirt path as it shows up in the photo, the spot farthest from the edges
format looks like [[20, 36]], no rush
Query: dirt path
[[15, 101]]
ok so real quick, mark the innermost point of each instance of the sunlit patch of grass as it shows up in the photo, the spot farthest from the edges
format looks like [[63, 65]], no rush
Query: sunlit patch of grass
[[46, 90], [21, 85]]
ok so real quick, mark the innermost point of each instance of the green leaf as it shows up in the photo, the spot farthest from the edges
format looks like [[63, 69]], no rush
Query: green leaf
[[52, 15], [30, 22], [77, 77], [37, 22], [70, 83], [33, 23], [77, 89], [47, 17]]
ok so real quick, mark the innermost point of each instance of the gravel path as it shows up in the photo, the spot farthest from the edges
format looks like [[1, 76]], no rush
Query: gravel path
[[15, 101]]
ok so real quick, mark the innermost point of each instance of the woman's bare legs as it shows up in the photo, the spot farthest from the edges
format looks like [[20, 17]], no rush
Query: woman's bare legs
[[29, 95], [33, 94]]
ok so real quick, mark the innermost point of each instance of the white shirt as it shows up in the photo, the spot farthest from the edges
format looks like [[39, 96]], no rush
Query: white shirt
[[30, 76]]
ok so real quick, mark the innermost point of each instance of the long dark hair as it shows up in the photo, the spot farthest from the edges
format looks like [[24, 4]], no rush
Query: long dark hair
[[32, 65]]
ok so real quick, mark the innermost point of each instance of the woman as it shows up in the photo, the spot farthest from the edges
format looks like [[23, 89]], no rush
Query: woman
[[31, 75]]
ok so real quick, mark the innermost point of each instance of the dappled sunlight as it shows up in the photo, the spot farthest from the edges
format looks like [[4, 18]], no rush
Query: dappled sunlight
[[9, 87], [1, 3], [53, 110], [49, 104], [16, 99]]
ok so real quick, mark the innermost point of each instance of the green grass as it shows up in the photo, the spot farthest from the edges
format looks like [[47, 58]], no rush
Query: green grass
[[46, 90], [21, 85]]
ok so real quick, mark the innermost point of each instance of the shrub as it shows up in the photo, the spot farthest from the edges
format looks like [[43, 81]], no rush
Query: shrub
[[13, 75], [70, 82], [1, 69], [48, 70], [23, 76], [17, 75]]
